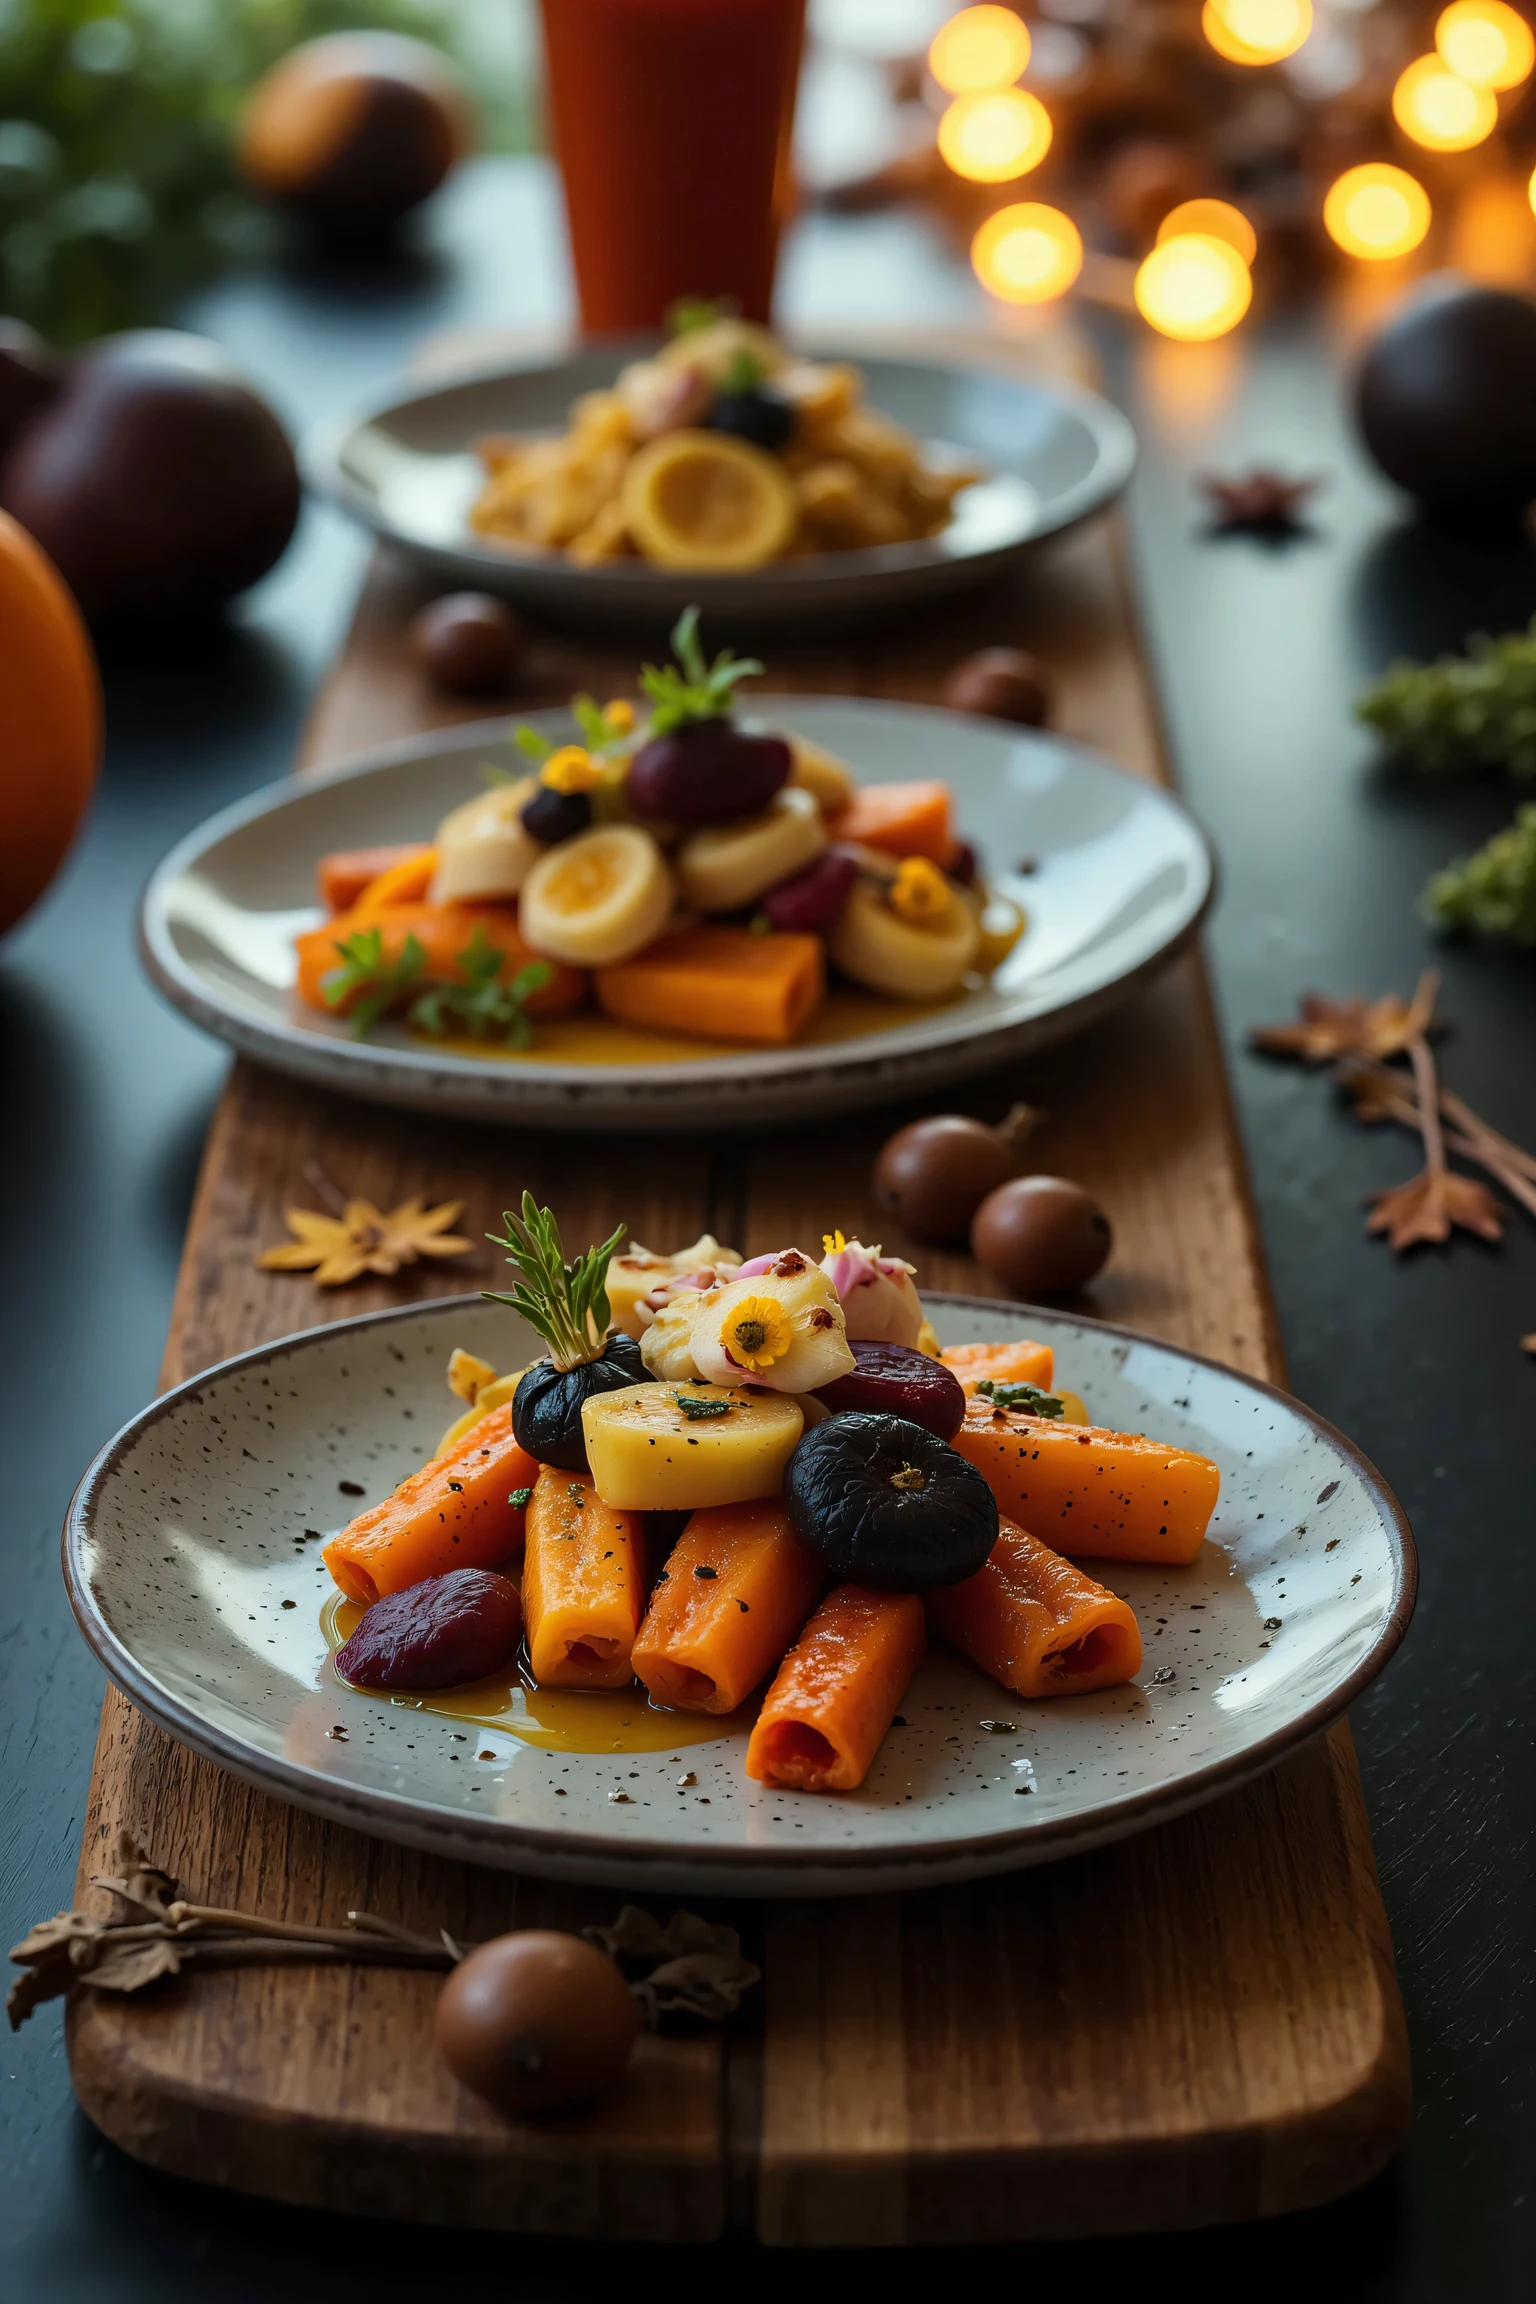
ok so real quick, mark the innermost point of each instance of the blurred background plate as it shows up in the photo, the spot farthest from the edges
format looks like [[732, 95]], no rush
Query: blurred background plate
[[1055, 454], [1113, 875]]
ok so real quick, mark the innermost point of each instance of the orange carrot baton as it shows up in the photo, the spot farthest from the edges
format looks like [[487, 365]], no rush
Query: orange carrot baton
[[342, 877], [837, 1690], [1036, 1623], [456, 1512], [583, 1584], [1085, 1491], [737, 1586], [1003, 1363]]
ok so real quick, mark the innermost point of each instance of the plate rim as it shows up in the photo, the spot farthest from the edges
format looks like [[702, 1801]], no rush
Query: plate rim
[[323, 445], [471, 1838], [187, 991]]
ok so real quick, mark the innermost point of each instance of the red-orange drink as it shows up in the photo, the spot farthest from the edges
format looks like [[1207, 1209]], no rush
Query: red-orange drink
[[672, 123]]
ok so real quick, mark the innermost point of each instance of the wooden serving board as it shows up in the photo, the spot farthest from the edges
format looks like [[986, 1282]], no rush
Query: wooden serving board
[[1196, 2025]]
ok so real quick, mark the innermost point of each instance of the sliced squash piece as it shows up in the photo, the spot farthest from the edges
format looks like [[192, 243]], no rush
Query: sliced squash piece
[[705, 500]]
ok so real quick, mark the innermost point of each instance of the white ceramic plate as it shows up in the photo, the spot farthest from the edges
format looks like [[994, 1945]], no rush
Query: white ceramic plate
[[195, 1577], [1115, 880], [1053, 453]]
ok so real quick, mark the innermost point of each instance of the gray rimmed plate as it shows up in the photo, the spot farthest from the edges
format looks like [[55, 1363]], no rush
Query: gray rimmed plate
[[1053, 454], [1114, 875], [193, 1568]]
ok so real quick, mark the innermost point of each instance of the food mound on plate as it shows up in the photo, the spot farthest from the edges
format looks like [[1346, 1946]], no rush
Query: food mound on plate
[[691, 874], [727, 1475], [723, 452]]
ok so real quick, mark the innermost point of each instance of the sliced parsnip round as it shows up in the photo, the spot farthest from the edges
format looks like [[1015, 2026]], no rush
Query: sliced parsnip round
[[598, 898], [875, 946], [723, 866], [482, 850], [829, 780], [651, 1453]]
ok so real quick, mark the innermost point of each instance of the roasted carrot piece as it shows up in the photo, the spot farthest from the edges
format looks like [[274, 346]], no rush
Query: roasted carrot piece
[[583, 1584], [444, 932], [1003, 1363], [404, 882], [1085, 1491], [737, 1586], [342, 877], [837, 1690], [456, 1512], [720, 983], [1036, 1623], [908, 819]]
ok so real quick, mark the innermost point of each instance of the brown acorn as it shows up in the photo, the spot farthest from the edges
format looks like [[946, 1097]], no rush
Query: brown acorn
[[1001, 684], [354, 130]]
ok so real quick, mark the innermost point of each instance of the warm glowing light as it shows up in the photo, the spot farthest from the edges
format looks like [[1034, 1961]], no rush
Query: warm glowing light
[[1028, 253], [980, 48], [1256, 31], [1376, 211], [1216, 217], [1440, 110], [993, 137], [1486, 43], [1194, 287]]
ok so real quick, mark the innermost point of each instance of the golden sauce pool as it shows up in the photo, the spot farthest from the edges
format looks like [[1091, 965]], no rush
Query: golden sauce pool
[[845, 1014], [556, 1719]]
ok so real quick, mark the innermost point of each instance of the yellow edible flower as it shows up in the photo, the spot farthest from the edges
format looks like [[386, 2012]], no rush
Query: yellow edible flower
[[571, 769], [758, 1333], [619, 716], [920, 892], [833, 1243]]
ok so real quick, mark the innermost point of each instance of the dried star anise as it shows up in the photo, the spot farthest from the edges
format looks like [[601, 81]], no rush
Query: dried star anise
[[1261, 502]]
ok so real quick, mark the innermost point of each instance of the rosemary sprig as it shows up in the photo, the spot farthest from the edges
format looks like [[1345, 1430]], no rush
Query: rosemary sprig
[[381, 982], [692, 690], [482, 1005], [566, 1303]]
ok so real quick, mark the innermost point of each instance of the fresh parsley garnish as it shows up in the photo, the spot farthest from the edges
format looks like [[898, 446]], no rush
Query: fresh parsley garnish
[[364, 969], [695, 1409], [744, 372], [520, 1498], [566, 1303], [1026, 1397], [692, 690], [482, 1005], [691, 315]]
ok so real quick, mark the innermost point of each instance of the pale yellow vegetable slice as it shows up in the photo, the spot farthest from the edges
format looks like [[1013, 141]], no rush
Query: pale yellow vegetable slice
[[876, 947], [648, 1454], [822, 774], [482, 850], [705, 500], [723, 866], [597, 898]]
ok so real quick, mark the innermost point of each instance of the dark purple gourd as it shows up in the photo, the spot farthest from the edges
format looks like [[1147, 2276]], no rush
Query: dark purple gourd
[[547, 1405], [897, 1380], [888, 1504], [696, 766], [443, 1633]]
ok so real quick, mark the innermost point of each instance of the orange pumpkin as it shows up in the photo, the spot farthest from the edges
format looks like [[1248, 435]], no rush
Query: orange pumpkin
[[50, 721]]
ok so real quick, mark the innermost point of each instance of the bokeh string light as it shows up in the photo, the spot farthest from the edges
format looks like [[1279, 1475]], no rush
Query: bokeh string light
[[1256, 31], [1218, 218], [1439, 109], [1486, 44], [1376, 211], [1193, 286], [1027, 254], [981, 48], [994, 136]]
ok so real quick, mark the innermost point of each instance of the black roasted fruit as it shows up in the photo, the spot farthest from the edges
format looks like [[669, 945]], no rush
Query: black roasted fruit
[[707, 772], [888, 1504], [157, 482], [546, 1407], [552, 816], [1446, 401], [444, 1633], [762, 416], [898, 1380]]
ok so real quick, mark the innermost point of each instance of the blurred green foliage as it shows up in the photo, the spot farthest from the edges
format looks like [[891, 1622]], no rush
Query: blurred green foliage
[[117, 191], [1494, 892]]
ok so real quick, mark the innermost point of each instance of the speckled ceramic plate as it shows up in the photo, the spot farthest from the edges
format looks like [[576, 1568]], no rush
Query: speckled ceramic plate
[[1053, 454], [191, 1556], [1113, 874]]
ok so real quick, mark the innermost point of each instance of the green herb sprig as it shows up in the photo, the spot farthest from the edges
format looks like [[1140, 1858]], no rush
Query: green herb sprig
[[1461, 712], [692, 690], [1028, 1398], [483, 1006], [364, 969], [1494, 892], [696, 1410], [566, 1303], [691, 315]]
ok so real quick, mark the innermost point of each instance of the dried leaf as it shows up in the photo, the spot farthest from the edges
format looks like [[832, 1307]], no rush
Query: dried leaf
[[139, 1882], [1426, 1208], [340, 1249], [1331, 1029], [637, 1940], [707, 1984], [127, 1967], [1378, 1094]]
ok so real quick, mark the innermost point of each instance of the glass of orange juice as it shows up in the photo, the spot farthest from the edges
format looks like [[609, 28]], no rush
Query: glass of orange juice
[[672, 121]]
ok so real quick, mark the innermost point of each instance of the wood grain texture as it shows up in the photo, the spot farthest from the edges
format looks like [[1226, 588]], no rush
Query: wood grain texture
[[1199, 2024]]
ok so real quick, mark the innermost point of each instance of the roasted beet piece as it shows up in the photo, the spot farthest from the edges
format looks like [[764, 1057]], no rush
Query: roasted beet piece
[[896, 1380], [439, 1634]]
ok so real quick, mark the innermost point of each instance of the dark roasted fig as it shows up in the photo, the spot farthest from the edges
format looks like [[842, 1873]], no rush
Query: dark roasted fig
[[444, 1633], [552, 816], [546, 1407], [814, 898], [759, 414], [888, 1505], [896, 1380], [708, 772]]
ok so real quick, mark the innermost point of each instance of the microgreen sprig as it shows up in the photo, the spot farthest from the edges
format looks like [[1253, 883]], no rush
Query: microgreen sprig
[[692, 690], [381, 982], [1027, 1397], [691, 315], [482, 1005], [566, 1303]]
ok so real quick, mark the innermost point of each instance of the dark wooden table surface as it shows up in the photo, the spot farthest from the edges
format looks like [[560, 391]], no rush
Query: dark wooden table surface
[[1259, 649]]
